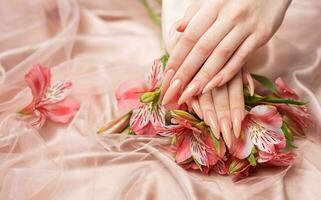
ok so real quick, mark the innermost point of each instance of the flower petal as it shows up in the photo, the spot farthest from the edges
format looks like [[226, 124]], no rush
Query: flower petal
[[268, 115], [62, 111], [242, 146], [198, 152], [57, 92], [183, 151], [38, 79], [128, 94], [157, 117], [284, 91], [220, 167], [155, 76], [38, 120], [140, 117], [276, 159]]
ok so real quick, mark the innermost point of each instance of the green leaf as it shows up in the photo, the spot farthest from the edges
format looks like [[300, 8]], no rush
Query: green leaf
[[252, 159], [164, 60], [290, 145], [271, 99], [253, 100], [287, 132], [216, 142], [198, 165], [265, 82], [173, 140], [257, 99], [183, 115]]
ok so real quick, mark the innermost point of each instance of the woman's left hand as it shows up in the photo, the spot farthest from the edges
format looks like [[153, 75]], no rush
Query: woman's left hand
[[221, 106]]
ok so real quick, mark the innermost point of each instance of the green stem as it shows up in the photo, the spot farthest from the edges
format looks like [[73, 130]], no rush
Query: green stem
[[153, 15]]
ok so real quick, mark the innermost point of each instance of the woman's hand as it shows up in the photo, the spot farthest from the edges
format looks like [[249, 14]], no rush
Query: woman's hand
[[218, 37], [221, 106]]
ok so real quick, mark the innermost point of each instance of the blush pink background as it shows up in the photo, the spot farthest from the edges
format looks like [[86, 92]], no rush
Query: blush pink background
[[96, 44]]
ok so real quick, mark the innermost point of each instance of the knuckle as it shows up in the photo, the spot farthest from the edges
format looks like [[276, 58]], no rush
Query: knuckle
[[189, 38], [224, 53], [241, 12], [241, 56], [204, 75], [204, 49], [264, 32]]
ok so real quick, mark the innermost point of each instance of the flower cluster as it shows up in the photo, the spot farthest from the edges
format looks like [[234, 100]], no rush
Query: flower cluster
[[50, 101], [267, 133]]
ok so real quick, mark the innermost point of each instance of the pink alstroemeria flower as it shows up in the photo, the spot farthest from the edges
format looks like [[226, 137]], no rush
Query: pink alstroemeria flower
[[49, 101], [194, 143], [276, 159], [146, 118], [128, 93], [298, 113], [260, 128]]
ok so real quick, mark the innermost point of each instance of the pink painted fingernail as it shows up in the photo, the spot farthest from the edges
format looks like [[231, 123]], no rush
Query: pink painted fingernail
[[210, 119], [226, 131], [166, 82], [213, 83], [197, 109], [251, 83], [237, 117], [189, 92], [173, 89]]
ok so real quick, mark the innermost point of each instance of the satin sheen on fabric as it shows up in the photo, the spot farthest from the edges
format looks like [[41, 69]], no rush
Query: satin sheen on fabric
[[96, 45]]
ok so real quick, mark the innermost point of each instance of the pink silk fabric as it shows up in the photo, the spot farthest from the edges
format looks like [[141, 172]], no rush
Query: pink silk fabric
[[97, 44]]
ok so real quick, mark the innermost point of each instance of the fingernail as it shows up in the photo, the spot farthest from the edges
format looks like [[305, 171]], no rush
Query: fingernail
[[172, 90], [189, 92], [197, 109], [237, 118], [210, 119], [180, 27], [226, 131], [166, 81], [251, 84], [213, 83]]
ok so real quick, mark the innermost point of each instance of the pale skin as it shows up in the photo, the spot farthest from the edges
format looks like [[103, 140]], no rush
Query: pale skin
[[205, 66]]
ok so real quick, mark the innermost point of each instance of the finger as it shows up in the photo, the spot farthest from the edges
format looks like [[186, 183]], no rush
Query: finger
[[195, 29], [189, 14], [222, 107], [196, 107], [236, 62], [221, 54], [236, 99], [173, 36], [248, 80], [208, 110], [198, 56]]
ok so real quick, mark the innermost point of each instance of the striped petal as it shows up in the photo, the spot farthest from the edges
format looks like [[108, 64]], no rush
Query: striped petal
[[140, 117], [155, 76], [56, 93], [198, 151]]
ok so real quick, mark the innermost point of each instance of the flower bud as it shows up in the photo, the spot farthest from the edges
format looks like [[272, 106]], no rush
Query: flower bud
[[183, 115], [115, 126]]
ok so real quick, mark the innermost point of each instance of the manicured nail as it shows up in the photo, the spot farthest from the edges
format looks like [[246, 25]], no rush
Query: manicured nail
[[251, 83], [189, 92], [226, 131], [210, 119], [197, 109], [213, 83], [180, 27], [172, 90], [237, 117], [166, 82]]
